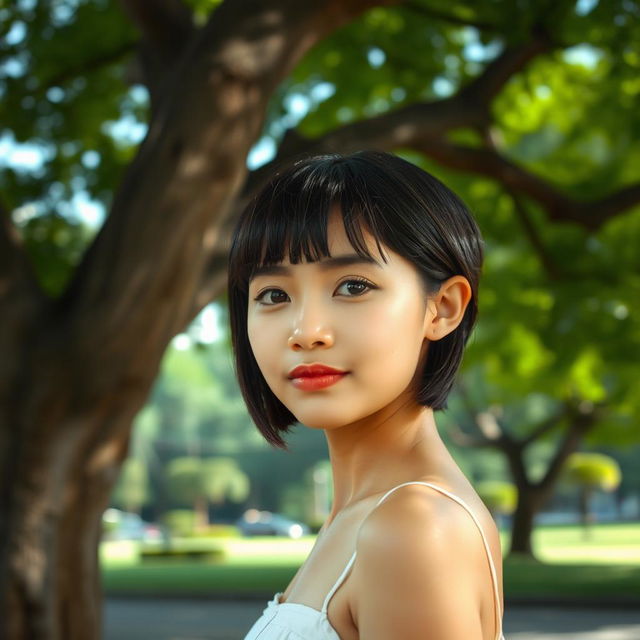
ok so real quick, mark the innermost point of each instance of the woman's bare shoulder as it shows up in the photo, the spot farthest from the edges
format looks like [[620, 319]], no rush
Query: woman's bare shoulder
[[417, 557], [420, 511]]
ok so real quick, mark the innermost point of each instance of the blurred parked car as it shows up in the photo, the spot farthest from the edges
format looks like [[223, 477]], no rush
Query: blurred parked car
[[265, 523], [121, 525]]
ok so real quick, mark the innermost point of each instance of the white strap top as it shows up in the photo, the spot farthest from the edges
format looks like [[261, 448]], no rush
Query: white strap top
[[294, 621]]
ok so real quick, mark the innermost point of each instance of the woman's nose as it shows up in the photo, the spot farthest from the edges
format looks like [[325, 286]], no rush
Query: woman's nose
[[310, 331]]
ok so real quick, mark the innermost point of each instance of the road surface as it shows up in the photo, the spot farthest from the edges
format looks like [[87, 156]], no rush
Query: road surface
[[174, 619]]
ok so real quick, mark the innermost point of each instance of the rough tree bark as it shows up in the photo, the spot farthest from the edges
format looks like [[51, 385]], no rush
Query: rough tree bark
[[76, 370]]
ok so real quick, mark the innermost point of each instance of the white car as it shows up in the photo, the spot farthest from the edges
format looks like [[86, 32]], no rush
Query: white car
[[265, 523]]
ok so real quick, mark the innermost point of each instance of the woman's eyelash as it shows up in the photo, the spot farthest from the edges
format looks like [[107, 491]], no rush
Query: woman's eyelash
[[359, 280], [261, 295]]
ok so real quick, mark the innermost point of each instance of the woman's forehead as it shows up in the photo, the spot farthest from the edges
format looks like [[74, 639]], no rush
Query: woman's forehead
[[338, 240]]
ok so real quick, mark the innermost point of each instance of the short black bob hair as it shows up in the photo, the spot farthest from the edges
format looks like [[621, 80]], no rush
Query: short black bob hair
[[402, 206]]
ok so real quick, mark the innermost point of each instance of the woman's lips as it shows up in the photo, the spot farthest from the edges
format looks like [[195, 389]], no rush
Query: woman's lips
[[312, 383], [310, 377]]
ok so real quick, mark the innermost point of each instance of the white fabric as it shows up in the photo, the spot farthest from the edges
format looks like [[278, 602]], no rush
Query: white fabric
[[294, 621]]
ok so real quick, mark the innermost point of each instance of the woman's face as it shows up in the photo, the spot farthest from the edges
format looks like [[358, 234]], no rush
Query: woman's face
[[367, 319]]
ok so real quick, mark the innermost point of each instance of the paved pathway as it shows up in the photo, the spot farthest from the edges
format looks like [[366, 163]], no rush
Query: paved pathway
[[174, 619]]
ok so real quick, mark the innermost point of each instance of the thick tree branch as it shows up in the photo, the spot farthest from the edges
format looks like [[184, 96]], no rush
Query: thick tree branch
[[398, 128], [582, 422], [167, 29], [551, 268], [490, 163], [485, 87], [166, 25], [81, 66], [559, 207], [549, 265], [600, 211], [545, 427], [437, 14]]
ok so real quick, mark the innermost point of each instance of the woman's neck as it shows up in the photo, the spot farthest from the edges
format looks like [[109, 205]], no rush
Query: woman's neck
[[395, 445]]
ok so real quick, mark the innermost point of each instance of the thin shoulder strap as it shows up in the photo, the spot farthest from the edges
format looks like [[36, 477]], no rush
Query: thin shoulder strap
[[463, 504], [338, 582]]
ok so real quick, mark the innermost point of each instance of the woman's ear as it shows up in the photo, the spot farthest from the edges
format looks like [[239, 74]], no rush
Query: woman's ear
[[446, 308]]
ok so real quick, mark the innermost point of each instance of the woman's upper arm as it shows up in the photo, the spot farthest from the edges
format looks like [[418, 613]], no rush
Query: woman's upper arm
[[416, 574]]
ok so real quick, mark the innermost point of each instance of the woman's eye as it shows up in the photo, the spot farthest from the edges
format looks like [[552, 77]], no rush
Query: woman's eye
[[356, 287], [269, 297], [350, 288]]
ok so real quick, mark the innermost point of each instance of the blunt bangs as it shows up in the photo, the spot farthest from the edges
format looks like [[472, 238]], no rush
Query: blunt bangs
[[403, 208], [290, 218]]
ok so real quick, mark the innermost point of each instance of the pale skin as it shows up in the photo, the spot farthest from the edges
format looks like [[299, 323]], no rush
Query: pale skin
[[421, 570]]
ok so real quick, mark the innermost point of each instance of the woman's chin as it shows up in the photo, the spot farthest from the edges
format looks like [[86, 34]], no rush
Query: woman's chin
[[323, 421]]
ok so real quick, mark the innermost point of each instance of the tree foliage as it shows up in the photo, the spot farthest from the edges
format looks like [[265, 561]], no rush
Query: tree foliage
[[593, 470]]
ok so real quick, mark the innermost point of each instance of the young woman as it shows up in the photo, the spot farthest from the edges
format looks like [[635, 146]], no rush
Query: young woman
[[353, 288]]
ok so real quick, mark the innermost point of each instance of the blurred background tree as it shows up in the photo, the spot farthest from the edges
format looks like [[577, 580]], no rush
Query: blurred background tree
[[201, 481], [132, 138], [132, 489]]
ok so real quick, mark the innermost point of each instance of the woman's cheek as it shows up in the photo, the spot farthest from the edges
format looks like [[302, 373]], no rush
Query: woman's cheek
[[394, 339], [260, 347]]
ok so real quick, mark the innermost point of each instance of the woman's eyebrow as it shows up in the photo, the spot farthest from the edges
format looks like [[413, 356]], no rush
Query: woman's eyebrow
[[326, 264]]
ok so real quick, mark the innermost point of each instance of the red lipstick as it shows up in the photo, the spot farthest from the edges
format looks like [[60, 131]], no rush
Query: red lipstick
[[311, 377]]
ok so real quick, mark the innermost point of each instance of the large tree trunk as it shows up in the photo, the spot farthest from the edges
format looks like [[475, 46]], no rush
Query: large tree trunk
[[586, 516], [530, 501], [60, 470], [75, 371], [201, 510]]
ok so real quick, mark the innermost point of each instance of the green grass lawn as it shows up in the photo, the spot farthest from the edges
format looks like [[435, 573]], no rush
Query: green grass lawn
[[607, 563]]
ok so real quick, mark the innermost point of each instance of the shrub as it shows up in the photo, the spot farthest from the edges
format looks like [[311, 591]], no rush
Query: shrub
[[181, 522], [210, 554], [220, 531]]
